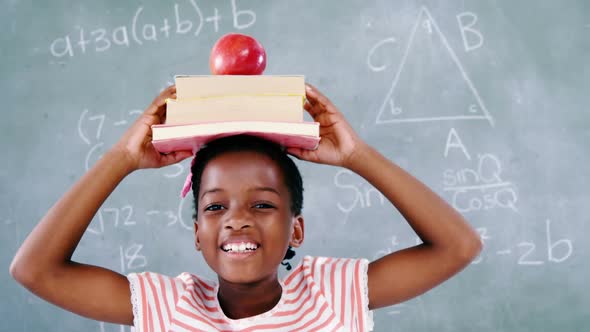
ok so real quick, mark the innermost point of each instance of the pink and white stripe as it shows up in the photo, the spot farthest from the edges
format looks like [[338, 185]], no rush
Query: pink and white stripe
[[320, 294]]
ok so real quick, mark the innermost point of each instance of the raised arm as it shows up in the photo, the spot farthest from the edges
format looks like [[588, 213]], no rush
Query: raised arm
[[43, 263], [449, 243]]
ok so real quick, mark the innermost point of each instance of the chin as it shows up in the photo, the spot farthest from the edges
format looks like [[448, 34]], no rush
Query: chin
[[245, 274]]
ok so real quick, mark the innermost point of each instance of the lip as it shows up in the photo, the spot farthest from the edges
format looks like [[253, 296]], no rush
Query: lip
[[239, 255], [238, 240]]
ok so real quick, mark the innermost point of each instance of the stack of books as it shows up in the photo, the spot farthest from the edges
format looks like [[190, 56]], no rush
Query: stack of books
[[211, 107]]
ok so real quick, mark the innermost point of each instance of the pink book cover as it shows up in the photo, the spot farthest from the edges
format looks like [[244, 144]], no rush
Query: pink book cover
[[194, 143]]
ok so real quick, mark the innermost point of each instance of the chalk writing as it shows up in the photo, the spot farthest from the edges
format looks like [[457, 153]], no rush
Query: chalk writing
[[375, 48], [131, 115], [468, 30], [184, 222], [90, 130], [106, 327], [480, 188], [179, 171], [187, 19], [244, 13], [131, 259], [363, 197], [527, 252], [125, 217], [454, 142], [390, 110], [99, 119], [125, 213], [92, 155], [395, 309], [170, 217], [524, 252], [384, 252], [484, 237]]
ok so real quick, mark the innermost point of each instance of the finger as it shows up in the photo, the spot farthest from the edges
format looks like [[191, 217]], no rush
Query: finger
[[160, 101], [311, 94], [160, 112], [295, 152], [321, 98], [318, 102], [315, 95], [325, 101], [314, 111], [308, 107], [175, 157], [302, 154], [169, 92]]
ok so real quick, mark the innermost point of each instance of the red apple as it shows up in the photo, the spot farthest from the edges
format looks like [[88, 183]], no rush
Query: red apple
[[237, 54]]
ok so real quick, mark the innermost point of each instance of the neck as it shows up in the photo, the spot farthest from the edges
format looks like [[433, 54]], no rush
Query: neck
[[247, 300]]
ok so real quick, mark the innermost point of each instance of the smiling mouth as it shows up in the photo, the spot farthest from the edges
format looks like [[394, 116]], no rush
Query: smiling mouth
[[238, 248]]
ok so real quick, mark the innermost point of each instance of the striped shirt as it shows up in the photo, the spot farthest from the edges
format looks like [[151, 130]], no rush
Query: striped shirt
[[320, 294]]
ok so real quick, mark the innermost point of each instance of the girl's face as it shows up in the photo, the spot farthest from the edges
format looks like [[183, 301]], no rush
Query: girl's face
[[245, 224]]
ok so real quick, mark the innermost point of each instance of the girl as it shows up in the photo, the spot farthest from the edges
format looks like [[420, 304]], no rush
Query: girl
[[248, 214]]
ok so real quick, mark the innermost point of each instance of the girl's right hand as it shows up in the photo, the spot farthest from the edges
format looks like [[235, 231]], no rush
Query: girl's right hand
[[136, 143]]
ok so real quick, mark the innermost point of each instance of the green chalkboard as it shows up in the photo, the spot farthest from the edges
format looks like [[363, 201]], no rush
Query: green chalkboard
[[486, 102]]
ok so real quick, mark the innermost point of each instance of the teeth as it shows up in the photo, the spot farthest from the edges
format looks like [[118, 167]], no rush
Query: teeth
[[241, 247]]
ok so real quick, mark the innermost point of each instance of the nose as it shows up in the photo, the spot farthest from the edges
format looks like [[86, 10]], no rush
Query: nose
[[239, 218]]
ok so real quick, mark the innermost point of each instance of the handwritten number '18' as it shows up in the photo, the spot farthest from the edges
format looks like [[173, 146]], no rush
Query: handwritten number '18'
[[131, 259]]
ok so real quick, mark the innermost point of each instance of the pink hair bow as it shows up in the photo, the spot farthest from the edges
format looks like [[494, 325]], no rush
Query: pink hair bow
[[188, 183]]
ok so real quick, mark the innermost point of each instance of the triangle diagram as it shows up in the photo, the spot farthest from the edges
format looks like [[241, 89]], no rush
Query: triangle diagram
[[430, 83]]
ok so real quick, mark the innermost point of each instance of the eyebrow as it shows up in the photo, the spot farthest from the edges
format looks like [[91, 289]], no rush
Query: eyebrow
[[268, 189], [211, 191]]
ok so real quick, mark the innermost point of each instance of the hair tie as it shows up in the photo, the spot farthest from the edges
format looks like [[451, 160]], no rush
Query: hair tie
[[188, 182]]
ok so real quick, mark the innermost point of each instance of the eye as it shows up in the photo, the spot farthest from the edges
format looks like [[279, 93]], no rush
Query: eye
[[214, 207], [263, 206]]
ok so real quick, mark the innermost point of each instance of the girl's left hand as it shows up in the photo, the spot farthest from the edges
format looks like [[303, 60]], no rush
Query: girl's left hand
[[339, 143]]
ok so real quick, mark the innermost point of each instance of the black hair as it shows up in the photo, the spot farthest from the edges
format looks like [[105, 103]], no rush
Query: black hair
[[240, 143]]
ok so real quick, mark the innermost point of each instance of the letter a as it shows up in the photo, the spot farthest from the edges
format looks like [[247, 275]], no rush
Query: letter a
[[67, 49], [454, 141]]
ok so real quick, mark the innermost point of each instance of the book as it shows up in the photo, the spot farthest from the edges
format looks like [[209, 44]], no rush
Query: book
[[211, 107], [235, 108], [168, 138], [198, 86]]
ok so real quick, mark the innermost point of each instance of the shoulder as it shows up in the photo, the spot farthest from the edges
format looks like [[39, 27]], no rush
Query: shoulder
[[329, 274], [339, 282], [155, 281], [155, 297], [320, 268]]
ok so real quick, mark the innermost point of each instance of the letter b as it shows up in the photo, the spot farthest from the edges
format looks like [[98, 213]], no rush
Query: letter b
[[467, 28], [551, 246]]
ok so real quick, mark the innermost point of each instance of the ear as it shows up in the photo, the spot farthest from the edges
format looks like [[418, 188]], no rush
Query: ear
[[197, 243], [297, 232]]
